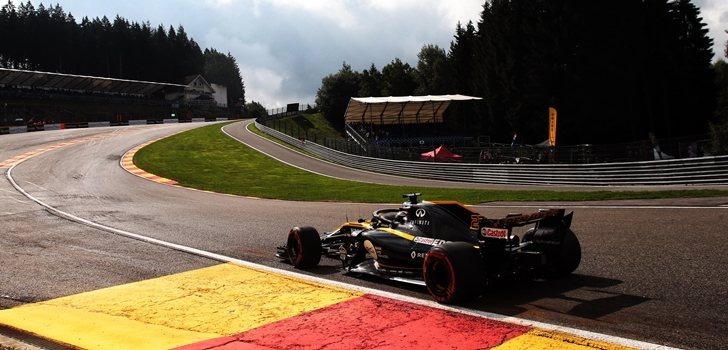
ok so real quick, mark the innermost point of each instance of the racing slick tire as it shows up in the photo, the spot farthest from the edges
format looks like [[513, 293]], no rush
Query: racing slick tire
[[563, 257], [567, 256], [453, 272], [303, 247]]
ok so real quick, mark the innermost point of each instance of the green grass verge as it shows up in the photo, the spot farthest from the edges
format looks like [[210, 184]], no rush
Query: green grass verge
[[206, 158], [310, 126], [252, 128]]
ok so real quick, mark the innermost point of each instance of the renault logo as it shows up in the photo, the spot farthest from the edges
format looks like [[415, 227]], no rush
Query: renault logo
[[420, 213]]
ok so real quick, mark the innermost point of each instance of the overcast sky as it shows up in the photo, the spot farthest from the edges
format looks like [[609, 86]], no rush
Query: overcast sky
[[285, 47]]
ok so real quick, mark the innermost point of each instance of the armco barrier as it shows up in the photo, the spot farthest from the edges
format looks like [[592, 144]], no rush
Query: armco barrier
[[53, 127], [690, 171], [17, 129], [75, 125], [4, 129], [98, 124]]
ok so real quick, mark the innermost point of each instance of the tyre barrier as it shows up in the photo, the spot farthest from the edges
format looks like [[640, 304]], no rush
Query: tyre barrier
[[689, 171]]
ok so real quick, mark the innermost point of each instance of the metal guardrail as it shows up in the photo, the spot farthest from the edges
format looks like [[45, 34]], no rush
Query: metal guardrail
[[290, 110], [4, 130], [690, 171]]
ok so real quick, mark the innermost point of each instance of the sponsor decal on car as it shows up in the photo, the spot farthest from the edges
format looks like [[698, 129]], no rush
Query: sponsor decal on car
[[494, 232], [416, 254], [475, 221], [429, 241]]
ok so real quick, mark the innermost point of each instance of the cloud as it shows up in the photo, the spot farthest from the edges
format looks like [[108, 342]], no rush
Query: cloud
[[269, 86], [460, 11], [715, 16], [720, 37], [285, 47], [219, 3], [330, 11]]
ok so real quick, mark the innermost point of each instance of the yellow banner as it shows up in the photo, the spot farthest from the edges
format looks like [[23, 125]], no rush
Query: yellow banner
[[552, 126]]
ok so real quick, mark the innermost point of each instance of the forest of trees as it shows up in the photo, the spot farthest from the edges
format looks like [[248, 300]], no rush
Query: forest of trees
[[615, 72], [719, 128], [51, 40]]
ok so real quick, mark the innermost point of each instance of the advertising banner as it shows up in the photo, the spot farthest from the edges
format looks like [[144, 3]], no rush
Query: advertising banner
[[552, 126]]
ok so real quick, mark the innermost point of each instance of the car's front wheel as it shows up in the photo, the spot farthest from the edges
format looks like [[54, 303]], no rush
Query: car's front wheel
[[453, 272], [303, 247]]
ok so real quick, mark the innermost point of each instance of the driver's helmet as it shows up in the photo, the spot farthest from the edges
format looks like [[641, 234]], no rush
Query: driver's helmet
[[401, 217]]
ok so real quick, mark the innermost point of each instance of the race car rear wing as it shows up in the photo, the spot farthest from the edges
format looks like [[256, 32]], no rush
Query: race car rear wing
[[548, 217]]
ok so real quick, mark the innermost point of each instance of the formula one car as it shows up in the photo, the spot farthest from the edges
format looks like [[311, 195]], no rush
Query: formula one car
[[455, 252]]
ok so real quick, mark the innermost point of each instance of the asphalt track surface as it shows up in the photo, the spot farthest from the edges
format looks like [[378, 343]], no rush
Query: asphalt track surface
[[652, 271]]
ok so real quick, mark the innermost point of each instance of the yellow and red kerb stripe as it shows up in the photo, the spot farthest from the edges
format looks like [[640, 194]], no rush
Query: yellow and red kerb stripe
[[127, 162], [27, 155], [372, 322], [20, 158], [229, 306]]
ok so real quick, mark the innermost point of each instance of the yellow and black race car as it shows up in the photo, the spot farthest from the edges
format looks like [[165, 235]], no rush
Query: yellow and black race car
[[455, 252]]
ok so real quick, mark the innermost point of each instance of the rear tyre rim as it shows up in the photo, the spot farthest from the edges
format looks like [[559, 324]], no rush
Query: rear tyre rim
[[440, 277]]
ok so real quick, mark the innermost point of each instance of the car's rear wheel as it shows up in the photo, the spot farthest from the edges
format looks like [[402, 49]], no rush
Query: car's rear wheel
[[453, 272], [566, 257], [563, 255], [303, 247]]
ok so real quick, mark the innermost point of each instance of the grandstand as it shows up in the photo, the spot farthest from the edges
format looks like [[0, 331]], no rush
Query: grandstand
[[32, 97], [403, 120]]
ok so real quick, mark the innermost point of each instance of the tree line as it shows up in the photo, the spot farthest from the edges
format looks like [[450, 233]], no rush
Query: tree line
[[615, 71], [719, 128], [49, 39]]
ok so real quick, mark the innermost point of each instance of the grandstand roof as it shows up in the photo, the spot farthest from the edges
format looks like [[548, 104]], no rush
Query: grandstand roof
[[401, 109], [70, 82]]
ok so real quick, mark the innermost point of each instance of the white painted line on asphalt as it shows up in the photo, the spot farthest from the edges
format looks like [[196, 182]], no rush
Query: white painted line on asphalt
[[428, 303]]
